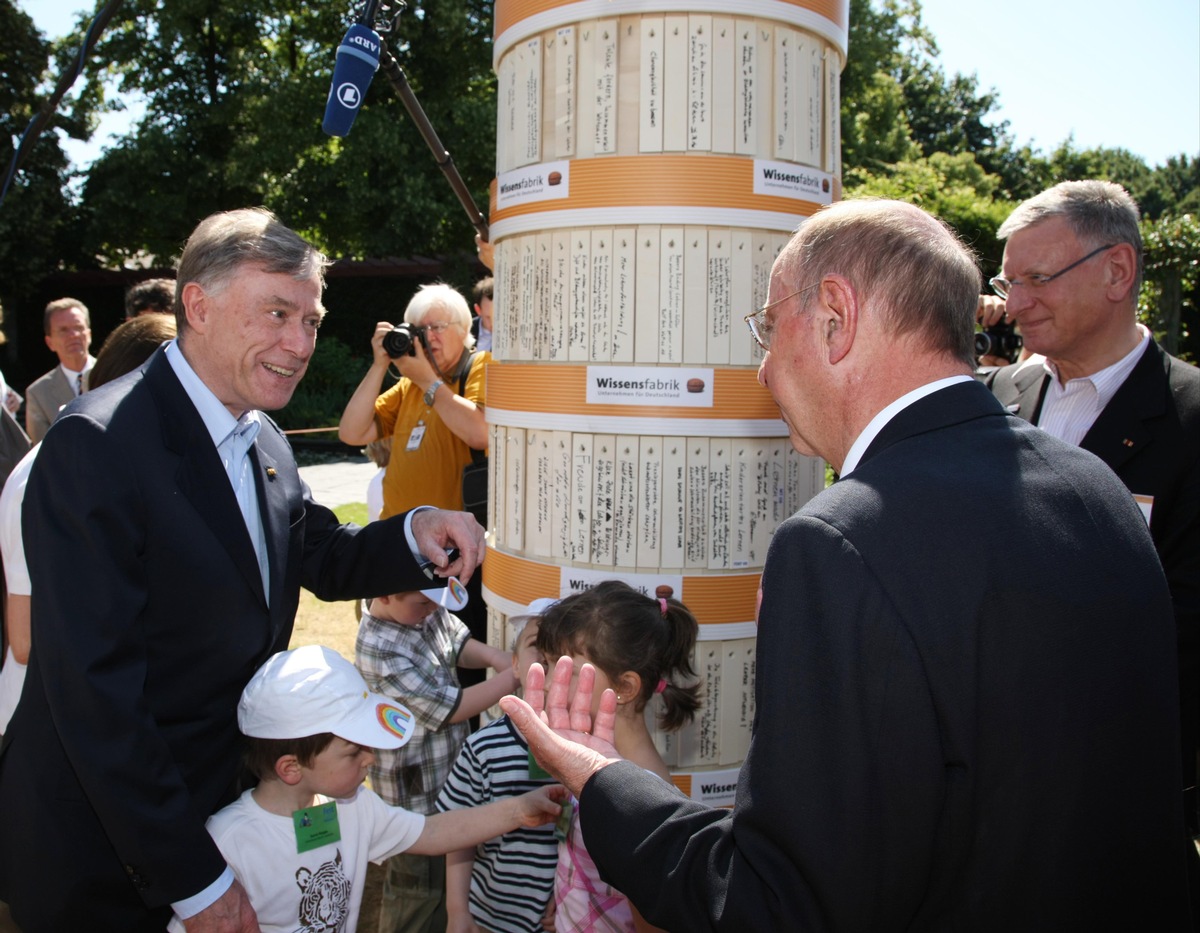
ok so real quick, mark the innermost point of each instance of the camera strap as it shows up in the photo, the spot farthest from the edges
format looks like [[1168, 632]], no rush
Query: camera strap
[[477, 456]]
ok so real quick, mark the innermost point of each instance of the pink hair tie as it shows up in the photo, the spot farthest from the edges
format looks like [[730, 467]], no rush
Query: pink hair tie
[[662, 685], [663, 605]]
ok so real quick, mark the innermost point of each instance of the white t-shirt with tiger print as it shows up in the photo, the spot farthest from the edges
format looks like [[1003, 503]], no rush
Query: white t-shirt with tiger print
[[318, 891]]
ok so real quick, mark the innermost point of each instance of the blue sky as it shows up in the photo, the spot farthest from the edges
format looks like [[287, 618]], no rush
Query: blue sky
[[1117, 74]]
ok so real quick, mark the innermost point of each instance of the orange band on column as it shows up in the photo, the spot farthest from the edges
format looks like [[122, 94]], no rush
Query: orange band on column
[[725, 182], [712, 600], [562, 389]]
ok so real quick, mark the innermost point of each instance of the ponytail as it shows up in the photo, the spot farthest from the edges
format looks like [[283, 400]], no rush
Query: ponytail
[[681, 692]]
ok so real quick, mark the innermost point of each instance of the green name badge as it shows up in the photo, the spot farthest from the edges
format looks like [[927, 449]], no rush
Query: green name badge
[[316, 826], [536, 771], [562, 827]]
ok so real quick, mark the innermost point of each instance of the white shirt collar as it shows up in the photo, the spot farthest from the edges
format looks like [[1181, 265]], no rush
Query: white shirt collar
[[74, 374], [1106, 381], [216, 417], [877, 424]]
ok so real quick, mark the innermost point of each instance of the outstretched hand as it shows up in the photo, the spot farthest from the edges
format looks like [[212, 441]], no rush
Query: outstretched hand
[[558, 723], [541, 806]]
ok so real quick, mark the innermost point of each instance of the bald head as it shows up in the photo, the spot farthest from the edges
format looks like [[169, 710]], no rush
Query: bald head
[[906, 266], [870, 300]]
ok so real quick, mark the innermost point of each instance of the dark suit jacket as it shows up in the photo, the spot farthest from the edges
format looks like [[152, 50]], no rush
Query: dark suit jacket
[[955, 730], [148, 619], [1149, 434], [45, 396]]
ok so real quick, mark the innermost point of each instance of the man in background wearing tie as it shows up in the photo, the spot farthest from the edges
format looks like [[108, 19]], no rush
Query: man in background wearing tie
[[175, 509], [69, 334]]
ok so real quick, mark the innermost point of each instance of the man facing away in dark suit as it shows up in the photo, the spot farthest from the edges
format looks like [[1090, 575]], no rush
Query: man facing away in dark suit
[[1071, 274], [69, 334], [175, 510], [954, 731]]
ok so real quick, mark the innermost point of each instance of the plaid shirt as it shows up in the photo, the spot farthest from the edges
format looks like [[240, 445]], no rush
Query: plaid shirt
[[415, 664]]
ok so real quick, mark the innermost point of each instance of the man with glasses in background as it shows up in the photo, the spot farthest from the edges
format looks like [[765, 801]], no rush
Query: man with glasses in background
[[1071, 273]]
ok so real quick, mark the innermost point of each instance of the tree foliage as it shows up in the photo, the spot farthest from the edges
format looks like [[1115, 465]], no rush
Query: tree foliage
[[234, 98], [913, 132], [1170, 298], [952, 187], [38, 229]]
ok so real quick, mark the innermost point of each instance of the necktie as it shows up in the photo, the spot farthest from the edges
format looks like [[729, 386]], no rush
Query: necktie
[[78, 384], [235, 453]]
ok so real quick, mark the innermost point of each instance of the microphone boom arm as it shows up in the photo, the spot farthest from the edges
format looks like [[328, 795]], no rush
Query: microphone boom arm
[[399, 82]]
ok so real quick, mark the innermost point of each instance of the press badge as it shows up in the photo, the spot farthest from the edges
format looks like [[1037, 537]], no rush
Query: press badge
[[414, 439], [316, 826]]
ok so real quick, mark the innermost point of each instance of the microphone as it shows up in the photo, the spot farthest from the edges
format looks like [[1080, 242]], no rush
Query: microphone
[[355, 66]]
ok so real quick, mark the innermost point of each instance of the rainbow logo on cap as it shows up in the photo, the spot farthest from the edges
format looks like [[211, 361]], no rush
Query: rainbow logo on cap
[[458, 592], [396, 719]]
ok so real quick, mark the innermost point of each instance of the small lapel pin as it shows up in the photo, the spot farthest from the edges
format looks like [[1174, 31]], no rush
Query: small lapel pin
[[270, 472], [1127, 442]]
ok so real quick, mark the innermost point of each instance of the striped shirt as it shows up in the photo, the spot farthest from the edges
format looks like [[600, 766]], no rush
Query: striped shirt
[[513, 876], [1069, 411]]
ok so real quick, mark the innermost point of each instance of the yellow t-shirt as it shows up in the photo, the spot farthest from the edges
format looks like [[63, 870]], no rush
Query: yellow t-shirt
[[425, 467]]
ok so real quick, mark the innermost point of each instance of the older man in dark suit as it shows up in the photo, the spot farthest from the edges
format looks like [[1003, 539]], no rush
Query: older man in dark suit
[[174, 509], [954, 730], [1072, 269]]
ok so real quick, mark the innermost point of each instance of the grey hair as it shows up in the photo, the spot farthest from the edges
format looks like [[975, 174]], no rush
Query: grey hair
[[441, 295], [906, 265], [1099, 213], [223, 243], [64, 304]]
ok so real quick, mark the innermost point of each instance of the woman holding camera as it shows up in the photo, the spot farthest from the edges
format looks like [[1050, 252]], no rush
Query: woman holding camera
[[434, 414]]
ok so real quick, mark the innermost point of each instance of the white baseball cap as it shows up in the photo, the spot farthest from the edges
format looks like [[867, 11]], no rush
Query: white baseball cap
[[535, 609], [313, 689], [452, 596]]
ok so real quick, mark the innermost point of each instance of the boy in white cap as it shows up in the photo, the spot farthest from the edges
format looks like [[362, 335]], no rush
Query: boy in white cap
[[504, 885], [408, 647], [300, 841]]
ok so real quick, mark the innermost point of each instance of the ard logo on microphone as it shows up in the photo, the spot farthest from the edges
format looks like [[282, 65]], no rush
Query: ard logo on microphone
[[372, 47], [348, 95]]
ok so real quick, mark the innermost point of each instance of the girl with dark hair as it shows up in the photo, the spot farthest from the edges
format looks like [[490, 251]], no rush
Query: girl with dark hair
[[640, 646]]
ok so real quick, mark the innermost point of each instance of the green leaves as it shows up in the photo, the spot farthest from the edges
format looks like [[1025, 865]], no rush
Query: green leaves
[[38, 222], [235, 94]]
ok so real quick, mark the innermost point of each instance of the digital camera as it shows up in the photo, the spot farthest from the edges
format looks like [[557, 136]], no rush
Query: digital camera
[[1001, 339], [401, 340]]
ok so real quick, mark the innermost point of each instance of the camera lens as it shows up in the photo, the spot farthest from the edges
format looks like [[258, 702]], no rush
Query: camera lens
[[398, 341]]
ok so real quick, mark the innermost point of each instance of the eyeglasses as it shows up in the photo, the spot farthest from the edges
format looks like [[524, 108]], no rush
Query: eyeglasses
[[757, 321], [438, 326], [1002, 286]]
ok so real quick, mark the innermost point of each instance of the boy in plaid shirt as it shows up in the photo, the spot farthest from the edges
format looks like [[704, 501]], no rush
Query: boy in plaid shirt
[[408, 647]]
